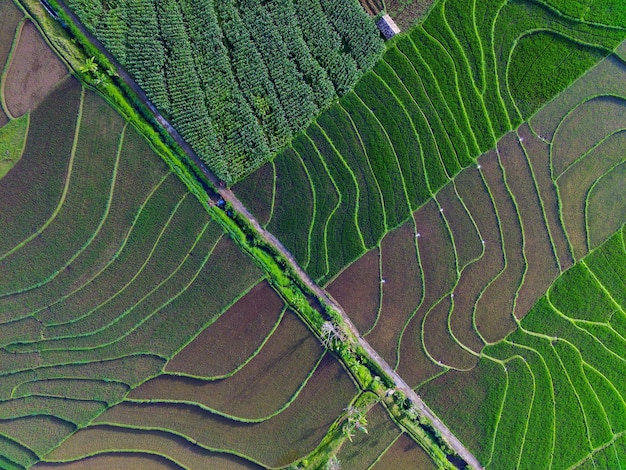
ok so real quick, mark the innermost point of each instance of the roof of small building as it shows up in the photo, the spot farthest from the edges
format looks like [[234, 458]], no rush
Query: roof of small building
[[387, 26]]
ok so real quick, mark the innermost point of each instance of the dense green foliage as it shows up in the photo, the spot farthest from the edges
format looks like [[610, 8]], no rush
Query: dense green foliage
[[237, 78], [442, 94]]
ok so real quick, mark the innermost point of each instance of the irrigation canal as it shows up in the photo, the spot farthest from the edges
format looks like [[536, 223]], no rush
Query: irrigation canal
[[237, 205]]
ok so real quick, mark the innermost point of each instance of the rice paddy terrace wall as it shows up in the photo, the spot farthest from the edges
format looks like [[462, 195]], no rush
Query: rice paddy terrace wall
[[237, 78], [111, 269]]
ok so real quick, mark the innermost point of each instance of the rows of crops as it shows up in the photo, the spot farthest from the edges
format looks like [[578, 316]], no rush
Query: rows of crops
[[237, 78], [441, 96], [254, 389], [551, 394], [113, 271]]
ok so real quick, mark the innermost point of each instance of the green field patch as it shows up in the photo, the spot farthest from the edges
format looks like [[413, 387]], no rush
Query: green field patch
[[343, 222], [438, 339], [77, 389], [84, 206], [542, 267], [292, 221], [401, 290], [575, 136], [140, 242], [425, 119], [28, 431], [391, 115], [598, 427], [26, 329], [30, 195], [575, 183], [260, 389], [97, 440], [409, 146], [364, 449], [538, 156], [469, 403], [513, 420], [355, 148], [135, 179], [358, 290], [612, 402], [544, 63], [327, 199], [610, 339], [404, 453], [605, 208], [107, 460], [278, 441], [240, 332], [608, 267], [257, 192], [497, 300], [12, 142], [78, 412], [576, 294], [571, 442], [472, 106]]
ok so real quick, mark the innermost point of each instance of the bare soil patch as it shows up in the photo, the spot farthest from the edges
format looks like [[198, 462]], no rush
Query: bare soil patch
[[606, 206], [495, 306], [107, 461], [401, 289], [407, 12], [233, 337], [405, 453], [260, 388], [276, 442], [33, 72], [98, 439], [466, 238], [439, 342], [543, 267], [474, 278], [357, 289], [538, 156]]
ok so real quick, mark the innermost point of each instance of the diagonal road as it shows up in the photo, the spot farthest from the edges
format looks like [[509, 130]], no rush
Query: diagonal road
[[237, 205]]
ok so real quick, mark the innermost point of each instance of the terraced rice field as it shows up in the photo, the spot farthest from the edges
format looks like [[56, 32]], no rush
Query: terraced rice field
[[550, 394], [442, 95], [111, 269]]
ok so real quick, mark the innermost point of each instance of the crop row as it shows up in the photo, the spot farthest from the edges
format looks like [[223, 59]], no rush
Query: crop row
[[238, 79], [558, 398], [440, 96]]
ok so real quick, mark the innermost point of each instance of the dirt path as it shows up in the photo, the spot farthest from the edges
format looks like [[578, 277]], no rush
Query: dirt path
[[230, 197]]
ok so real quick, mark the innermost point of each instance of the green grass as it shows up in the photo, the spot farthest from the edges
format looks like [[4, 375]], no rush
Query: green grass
[[12, 141]]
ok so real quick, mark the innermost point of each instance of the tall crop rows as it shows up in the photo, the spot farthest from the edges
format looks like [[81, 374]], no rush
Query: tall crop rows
[[237, 78]]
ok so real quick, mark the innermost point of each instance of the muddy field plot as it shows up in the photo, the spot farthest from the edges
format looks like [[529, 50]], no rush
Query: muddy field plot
[[34, 70]]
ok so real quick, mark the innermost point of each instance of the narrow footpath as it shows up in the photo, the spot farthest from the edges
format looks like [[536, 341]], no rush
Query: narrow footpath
[[237, 205]]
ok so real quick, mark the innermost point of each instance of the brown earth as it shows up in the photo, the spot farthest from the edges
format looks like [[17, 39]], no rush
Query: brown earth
[[127, 461], [405, 453], [240, 330], [34, 70], [101, 438], [260, 388], [357, 289], [407, 12]]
